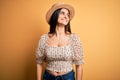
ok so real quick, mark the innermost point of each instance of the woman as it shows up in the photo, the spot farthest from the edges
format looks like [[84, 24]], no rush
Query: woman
[[59, 48]]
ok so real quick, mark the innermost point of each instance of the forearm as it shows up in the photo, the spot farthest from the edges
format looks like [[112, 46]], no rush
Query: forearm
[[39, 71], [79, 72]]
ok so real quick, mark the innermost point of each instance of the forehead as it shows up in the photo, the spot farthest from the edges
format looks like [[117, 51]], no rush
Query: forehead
[[64, 10]]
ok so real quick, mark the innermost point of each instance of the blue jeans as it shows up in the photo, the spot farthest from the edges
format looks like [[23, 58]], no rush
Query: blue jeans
[[68, 76]]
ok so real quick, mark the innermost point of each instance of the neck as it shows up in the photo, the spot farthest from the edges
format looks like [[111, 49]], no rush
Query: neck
[[60, 30]]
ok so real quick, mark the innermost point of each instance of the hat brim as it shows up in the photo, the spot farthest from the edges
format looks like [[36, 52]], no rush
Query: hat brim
[[58, 6]]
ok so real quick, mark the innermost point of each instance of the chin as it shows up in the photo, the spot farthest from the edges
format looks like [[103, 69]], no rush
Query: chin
[[64, 24]]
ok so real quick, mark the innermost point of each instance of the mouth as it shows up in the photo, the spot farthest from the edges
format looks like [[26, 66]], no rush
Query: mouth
[[65, 20]]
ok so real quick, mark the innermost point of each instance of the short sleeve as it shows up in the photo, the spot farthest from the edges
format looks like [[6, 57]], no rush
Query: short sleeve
[[40, 51], [78, 55]]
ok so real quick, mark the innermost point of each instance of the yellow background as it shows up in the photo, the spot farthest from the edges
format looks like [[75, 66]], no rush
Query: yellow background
[[97, 22]]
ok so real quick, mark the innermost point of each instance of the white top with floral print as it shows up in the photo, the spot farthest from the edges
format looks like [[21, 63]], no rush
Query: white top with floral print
[[60, 59]]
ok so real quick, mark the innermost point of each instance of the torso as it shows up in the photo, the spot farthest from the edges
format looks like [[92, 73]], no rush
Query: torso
[[54, 41]]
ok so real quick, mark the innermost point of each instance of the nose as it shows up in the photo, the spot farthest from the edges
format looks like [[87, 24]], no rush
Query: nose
[[66, 16]]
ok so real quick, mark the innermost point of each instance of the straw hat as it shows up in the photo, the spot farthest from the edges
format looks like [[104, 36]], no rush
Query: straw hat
[[58, 6]]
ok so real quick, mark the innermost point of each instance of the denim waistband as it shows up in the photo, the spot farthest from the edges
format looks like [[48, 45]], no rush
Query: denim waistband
[[67, 76]]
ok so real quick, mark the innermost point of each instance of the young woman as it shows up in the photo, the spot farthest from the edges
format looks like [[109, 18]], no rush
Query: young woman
[[59, 48]]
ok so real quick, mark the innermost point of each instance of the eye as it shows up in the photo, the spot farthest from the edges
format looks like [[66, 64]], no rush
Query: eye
[[61, 12], [68, 14]]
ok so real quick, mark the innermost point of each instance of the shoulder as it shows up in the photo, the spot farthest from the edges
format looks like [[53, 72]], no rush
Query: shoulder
[[43, 38], [75, 36], [44, 35], [76, 39]]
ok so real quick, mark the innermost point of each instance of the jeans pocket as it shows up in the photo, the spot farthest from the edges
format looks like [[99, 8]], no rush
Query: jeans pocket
[[69, 76]]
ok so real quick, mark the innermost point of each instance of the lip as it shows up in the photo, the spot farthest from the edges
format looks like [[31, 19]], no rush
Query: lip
[[64, 20]]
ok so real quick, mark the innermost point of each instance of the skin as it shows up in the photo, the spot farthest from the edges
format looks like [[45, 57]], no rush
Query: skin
[[58, 40]]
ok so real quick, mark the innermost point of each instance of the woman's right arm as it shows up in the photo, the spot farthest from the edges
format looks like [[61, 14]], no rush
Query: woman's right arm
[[40, 56], [39, 71]]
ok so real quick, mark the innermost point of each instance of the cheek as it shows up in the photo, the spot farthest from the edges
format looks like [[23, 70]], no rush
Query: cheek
[[68, 19], [59, 18]]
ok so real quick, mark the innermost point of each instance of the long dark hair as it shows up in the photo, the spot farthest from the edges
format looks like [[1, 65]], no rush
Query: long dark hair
[[54, 20]]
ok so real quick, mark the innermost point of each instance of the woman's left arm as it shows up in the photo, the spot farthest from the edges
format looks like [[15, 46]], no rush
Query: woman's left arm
[[79, 72], [78, 56]]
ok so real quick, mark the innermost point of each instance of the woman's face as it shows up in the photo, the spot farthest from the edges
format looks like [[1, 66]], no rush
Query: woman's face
[[63, 17]]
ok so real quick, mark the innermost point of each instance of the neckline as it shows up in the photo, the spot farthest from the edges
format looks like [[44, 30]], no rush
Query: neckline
[[47, 37]]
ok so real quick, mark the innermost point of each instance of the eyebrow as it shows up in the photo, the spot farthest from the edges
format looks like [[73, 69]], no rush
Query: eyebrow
[[64, 12]]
